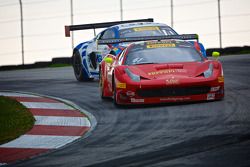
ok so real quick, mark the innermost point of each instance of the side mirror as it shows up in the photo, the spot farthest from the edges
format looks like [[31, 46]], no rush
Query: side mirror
[[108, 60], [216, 54]]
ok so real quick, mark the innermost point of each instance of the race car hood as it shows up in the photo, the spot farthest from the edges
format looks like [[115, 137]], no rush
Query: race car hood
[[163, 71]]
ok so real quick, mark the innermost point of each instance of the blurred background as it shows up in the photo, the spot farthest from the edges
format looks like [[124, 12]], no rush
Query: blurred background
[[44, 21]]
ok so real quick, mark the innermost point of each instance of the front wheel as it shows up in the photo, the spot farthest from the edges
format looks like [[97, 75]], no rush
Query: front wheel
[[114, 93], [101, 84]]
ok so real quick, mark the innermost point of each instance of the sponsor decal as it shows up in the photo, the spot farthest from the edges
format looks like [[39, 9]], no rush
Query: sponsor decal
[[137, 60], [157, 42], [220, 79], [115, 49], [175, 99], [215, 89], [121, 85], [211, 96], [133, 100], [167, 71], [130, 93], [172, 81], [146, 28], [161, 45]]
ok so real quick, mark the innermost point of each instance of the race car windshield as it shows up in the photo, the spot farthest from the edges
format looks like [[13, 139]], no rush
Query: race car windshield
[[161, 53], [146, 31]]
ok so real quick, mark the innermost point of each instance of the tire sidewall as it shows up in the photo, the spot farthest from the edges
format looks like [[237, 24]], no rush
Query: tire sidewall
[[79, 76]]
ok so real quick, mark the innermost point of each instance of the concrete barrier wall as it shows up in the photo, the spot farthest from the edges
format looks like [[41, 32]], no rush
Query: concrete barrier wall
[[229, 50]]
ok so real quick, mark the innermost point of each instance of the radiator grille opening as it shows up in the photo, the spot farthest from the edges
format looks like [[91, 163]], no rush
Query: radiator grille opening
[[162, 92]]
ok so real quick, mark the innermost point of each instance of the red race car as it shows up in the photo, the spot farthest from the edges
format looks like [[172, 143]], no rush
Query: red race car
[[160, 69]]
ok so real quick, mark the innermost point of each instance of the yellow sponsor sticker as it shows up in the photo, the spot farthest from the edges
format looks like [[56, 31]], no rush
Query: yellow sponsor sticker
[[167, 71], [220, 79], [115, 49], [121, 85], [146, 28], [161, 45]]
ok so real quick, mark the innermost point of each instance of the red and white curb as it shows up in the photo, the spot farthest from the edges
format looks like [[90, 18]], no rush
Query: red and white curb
[[56, 125]]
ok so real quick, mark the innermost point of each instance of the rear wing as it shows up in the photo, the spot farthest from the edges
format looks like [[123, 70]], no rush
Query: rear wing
[[149, 38], [100, 25]]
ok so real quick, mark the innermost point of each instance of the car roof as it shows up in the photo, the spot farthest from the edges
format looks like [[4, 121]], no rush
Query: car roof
[[140, 24]]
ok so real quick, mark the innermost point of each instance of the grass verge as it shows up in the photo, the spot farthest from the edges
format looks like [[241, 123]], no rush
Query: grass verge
[[60, 65], [15, 119]]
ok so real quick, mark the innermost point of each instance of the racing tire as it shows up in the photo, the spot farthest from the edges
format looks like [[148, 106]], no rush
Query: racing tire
[[101, 84], [78, 67], [114, 94]]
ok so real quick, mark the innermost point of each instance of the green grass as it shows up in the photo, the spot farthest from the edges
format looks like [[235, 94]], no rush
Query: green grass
[[244, 52], [15, 119], [59, 65]]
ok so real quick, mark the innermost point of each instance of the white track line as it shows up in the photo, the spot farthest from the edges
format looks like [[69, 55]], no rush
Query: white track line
[[39, 141], [44, 105], [16, 94], [62, 121], [46, 141]]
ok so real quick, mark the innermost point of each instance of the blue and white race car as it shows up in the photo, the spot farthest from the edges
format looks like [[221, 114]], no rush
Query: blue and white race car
[[87, 55]]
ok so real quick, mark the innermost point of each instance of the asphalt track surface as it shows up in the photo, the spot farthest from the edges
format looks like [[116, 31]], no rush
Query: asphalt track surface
[[195, 134]]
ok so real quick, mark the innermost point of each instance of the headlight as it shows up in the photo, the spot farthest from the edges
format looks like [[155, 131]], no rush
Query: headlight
[[209, 72], [132, 76]]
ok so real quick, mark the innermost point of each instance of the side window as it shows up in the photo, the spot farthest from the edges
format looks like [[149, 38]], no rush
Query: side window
[[98, 36], [168, 31], [108, 34]]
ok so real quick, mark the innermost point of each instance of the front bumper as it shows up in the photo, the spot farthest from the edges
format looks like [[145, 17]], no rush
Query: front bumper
[[146, 93]]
